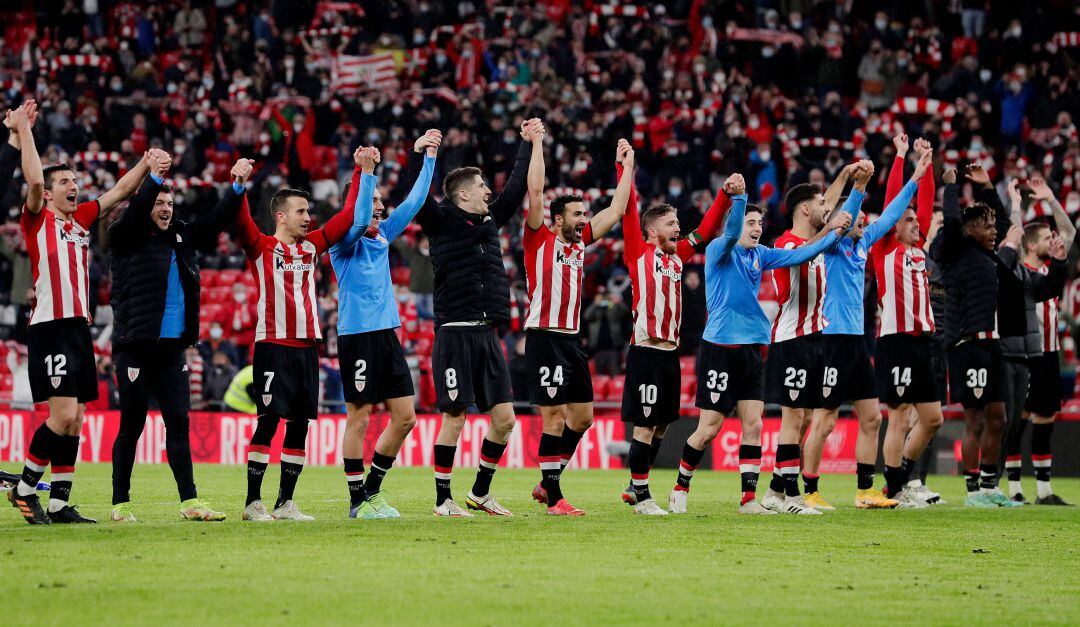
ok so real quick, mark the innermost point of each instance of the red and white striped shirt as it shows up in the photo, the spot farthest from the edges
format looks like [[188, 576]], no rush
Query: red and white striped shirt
[[801, 293], [1047, 313], [285, 274], [554, 271], [59, 252], [903, 288], [657, 285]]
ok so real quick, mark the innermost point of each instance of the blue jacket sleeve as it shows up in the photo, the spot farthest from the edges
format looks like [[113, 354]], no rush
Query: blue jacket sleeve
[[891, 215], [361, 212], [782, 258], [395, 225], [733, 226]]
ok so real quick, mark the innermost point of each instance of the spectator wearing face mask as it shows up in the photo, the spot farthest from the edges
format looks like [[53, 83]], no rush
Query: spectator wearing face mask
[[238, 320], [218, 342], [217, 378], [421, 274], [108, 392]]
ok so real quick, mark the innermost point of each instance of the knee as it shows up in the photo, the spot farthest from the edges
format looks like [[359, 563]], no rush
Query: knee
[[356, 424], [752, 429], [935, 420], [503, 422], [708, 431], [405, 422], [871, 422]]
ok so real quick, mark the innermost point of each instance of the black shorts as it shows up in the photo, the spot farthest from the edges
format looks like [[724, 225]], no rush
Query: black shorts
[[153, 369], [940, 364], [652, 387], [906, 372], [286, 380], [61, 360], [727, 375], [793, 372], [558, 368], [373, 367], [469, 368], [975, 374], [1044, 392], [846, 373]]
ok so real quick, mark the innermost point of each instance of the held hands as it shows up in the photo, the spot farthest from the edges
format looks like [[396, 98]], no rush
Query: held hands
[[624, 154], [949, 176], [900, 142], [532, 130], [159, 162], [976, 174], [367, 158], [431, 140], [735, 185], [862, 172], [1014, 193], [22, 118], [241, 170], [926, 159], [1039, 189]]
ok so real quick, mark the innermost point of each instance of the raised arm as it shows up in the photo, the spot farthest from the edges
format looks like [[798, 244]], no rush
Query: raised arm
[[429, 216], [836, 189], [631, 222], [606, 220], [896, 208], [712, 220], [782, 258], [338, 224], [896, 172], [985, 193], [924, 207], [535, 177], [135, 217], [732, 227], [125, 188], [208, 225], [509, 201], [363, 206], [952, 229], [1064, 224], [399, 220], [20, 126]]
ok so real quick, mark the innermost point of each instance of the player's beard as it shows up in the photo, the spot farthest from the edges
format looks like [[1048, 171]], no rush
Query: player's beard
[[570, 235]]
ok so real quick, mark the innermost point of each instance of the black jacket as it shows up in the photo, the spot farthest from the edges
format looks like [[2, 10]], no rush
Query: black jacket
[[1018, 292], [9, 159], [969, 271], [466, 253], [139, 257]]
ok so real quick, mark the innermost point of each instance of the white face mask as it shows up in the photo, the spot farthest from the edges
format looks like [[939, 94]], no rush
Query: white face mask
[[216, 333]]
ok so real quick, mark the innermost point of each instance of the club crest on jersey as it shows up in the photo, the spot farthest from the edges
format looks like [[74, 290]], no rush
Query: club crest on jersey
[[794, 394], [551, 392], [572, 260], [862, 253], [826, 391], [179, 239], [452, 394], [55, 382], [266, 398], [900, 389], [714, 396], [645, 411], [295, 266], [133, 373], [977, 392]]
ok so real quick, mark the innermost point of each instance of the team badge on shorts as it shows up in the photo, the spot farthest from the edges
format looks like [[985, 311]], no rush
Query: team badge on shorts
[[360, 385], [55, 381], [133, 373], [825, 392], [900, 390], [794, 394], [645, 411], [266, 398], [977, 392], [551, 392], [714, 396], [452, 394]]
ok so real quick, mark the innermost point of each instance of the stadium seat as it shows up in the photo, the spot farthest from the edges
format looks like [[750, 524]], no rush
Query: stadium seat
[[687, 364], [226, 278], [615, 388], [600, 386], [400, 275]]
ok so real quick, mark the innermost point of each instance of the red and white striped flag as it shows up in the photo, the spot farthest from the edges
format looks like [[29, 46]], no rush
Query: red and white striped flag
[[352, 74]]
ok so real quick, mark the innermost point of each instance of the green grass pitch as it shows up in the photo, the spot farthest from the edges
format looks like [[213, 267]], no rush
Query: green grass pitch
[[946, 565]]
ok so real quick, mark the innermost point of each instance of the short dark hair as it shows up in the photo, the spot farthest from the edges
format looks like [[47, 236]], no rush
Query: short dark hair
[[750, 208], [654, 213], [282, 196], [800, 194], [558, 206], [1031, 233], [456, 178], [166, 189], [53, 169], [977, 211]]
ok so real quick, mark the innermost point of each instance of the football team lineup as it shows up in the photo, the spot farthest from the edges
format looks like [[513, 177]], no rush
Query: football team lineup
[[931, 345]]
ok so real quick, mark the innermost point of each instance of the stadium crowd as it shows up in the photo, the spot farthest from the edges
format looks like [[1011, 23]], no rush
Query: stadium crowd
[[785, 92]]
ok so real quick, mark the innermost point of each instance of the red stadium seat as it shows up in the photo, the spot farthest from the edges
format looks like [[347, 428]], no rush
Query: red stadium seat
[[600, 384], [689, 385], [226, 278], [687, 363], [400, 275], [615, 388]]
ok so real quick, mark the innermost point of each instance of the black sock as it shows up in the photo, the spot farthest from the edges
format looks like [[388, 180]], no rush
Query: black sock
[[43, 445], [894, 481], [550, 467], [568, 444], [292, 459], [639, 469], [259, 456], [776, 482], [1041, 456], [971, 480], [907, 466], [749, 469], [864, 475], [490, 454], [810, 482], [354, 476], [691, 459], [1012, 451], [380, 465], [63, 471], [654, 450], [787, 461], [987, 476], [444, 466]]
